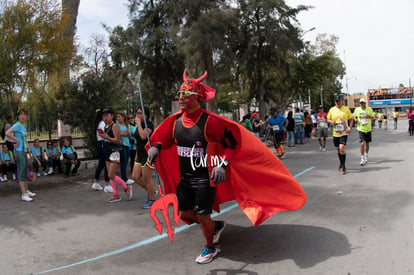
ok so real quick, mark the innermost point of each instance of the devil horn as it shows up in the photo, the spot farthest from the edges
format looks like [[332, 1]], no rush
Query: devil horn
[[185, 75], [201, 78]]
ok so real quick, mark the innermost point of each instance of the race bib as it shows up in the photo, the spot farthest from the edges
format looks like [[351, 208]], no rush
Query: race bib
[[364, 121], [323, 124], [115, 156], [276, 128], [339, 127]]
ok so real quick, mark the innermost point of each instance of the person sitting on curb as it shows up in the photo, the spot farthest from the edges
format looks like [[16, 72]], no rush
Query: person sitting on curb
[[69, 157], [7, 163], [39, 159]]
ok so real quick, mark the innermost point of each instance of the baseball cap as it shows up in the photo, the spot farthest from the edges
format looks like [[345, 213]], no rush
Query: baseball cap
[[255, 114], [108, 111], [320, 106], [338, 97], [362, 100]]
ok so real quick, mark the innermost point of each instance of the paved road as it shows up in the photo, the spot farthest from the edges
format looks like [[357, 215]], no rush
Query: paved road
[[360, 223]]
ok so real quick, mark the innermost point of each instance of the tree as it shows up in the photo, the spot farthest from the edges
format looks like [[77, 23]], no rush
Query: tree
[[81, 97], [31, 44], [146, 46], [271, 37], [70, 10]]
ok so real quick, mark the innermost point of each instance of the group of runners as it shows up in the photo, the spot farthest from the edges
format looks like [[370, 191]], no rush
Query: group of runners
[[342, 121]]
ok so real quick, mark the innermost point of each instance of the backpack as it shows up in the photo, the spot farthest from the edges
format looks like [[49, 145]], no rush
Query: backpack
[[3, 132]]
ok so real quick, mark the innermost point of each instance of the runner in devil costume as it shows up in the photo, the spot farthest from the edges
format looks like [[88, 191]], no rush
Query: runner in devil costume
[[207, 160]]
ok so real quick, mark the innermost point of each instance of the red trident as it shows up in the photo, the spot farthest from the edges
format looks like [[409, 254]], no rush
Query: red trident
[[162, 204]]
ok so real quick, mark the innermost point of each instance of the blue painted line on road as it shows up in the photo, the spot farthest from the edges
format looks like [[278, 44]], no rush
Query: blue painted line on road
[[152, 239]]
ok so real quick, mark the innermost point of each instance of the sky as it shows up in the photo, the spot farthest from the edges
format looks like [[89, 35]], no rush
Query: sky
[[376, 37]]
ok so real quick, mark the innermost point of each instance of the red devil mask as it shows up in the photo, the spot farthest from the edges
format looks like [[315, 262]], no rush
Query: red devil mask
[[193, 85]]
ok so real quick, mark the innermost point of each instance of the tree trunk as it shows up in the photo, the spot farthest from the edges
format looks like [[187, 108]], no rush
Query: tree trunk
[[70, 10]]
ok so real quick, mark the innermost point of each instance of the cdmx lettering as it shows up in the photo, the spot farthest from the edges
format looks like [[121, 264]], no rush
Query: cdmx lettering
[[201, 160]]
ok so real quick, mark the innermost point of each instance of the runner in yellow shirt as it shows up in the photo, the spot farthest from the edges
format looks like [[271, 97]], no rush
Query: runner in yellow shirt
[[395, 116], [363, 116], [339, 116]]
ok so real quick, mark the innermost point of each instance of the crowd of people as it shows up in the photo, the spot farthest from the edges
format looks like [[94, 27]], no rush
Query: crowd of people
[[185, 138]]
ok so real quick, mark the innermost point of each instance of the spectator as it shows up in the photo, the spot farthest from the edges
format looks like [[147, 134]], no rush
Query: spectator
[[58, 162], [7, 126], [100, 127], [39, 159], [70, 157], [290, 129], [7, 163], [52, 157], [308, 125], [247, 122], [18, 133], [256, 124], [299, 119]]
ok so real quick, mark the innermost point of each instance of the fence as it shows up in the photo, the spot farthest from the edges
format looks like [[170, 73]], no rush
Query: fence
[[44, 135]]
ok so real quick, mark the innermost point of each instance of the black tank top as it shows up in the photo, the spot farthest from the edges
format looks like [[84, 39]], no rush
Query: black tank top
[[191, 147], [111, 147]]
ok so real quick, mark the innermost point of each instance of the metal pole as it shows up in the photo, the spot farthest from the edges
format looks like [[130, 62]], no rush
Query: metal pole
[[161, 189], [321, 95], [142, 107]]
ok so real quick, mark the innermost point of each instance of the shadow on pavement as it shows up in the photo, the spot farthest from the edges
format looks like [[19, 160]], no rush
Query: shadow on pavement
[[306, 245]]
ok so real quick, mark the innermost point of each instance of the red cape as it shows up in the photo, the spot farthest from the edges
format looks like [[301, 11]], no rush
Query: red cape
[[256, 178]]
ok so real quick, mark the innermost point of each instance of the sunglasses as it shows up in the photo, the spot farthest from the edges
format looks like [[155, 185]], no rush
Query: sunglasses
[[186, 93]]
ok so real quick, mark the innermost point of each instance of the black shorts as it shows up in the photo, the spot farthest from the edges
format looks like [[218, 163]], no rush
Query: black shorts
[[199, 198], [365, 137], [340, 140], [142, 159], [277, 138]]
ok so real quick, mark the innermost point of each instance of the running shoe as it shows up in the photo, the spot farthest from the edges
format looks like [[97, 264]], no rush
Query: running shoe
[[343, 171], [30, 193], [365, 159], [1, 179], [5, 178], [50, 172], [128, 193], [220, 226], [96, 186], [44, 173], [38, 174], [147, 204], [323, 149], [26, 197], [108, 188], [130, 182], [320, 148], [207, 255], [362, 161], [14, 176], [113, 198], [155, 194]]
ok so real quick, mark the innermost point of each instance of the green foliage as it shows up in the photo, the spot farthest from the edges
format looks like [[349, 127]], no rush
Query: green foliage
[[32, 46], [80, 98]]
